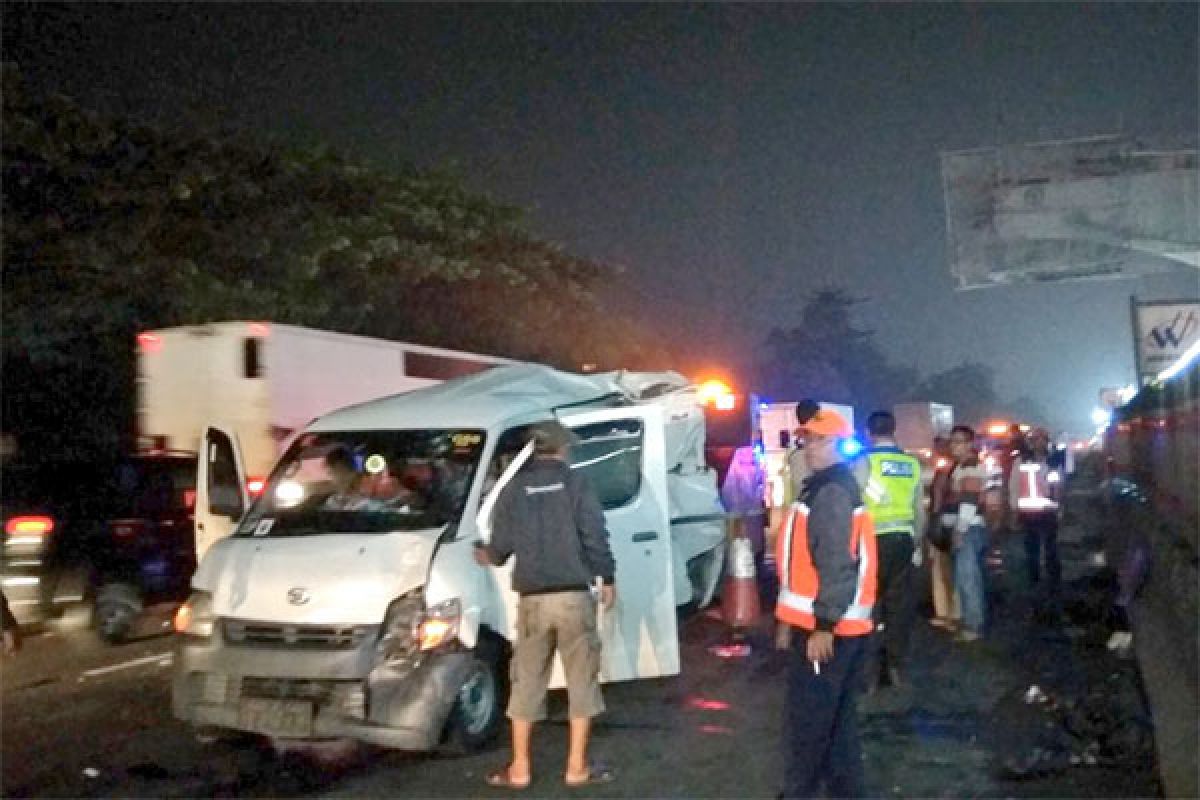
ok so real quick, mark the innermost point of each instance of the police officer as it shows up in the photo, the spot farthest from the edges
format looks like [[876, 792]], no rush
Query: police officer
[[891, 484]]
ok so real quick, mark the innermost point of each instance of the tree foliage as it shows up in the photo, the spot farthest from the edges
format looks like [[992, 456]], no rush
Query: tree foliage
[[111, 227], [827, 357]]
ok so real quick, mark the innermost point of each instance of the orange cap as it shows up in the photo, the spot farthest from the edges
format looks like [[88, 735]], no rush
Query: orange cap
[[828, 422]]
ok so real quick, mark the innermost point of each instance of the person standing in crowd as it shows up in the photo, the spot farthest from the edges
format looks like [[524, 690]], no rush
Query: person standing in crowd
[[891, 486], [551, 521], [947, 613], [827, 566], [1035, 505], [962, 510]]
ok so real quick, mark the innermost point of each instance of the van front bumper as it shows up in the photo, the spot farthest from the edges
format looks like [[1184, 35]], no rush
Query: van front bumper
[[303, 693]]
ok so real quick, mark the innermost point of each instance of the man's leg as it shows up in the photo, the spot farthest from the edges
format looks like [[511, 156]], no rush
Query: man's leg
[[1050, 537], [968, 579], [578, 731], [532, 661], [844, 766], [579, 646], [877, 657], [1033, 549], [942, 577], [521, 767], [808, 719], [895, 551]]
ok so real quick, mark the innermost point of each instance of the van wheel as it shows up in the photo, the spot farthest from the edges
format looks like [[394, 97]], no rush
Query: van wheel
[[479, 708], [118, 606]]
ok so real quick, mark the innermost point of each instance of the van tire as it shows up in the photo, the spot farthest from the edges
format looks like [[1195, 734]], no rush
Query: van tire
[[478, 710], [117, 608]]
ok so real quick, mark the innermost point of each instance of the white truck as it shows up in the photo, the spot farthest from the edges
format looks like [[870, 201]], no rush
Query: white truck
[[265, 381], [776, 424], [370, 620]]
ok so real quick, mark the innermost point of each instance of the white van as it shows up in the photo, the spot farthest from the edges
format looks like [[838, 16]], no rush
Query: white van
[[358, 611]]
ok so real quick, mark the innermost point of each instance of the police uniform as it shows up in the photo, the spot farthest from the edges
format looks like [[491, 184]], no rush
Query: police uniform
[[891, 481]]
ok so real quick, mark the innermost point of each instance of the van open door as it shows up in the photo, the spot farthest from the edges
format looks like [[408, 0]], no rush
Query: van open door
[[220, 487], [623, 454]]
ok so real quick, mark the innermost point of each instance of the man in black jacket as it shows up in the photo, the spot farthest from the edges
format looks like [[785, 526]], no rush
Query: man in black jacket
[[549, 518]]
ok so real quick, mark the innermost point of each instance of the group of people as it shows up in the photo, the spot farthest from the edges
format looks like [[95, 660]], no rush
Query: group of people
[[844, 557]]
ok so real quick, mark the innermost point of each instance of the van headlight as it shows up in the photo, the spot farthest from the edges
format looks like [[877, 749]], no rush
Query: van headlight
[[397, 646], [195, 617], [410, 630], [439, 624]]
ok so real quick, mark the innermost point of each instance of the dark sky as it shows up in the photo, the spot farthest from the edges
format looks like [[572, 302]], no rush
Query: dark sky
[[732, 158]]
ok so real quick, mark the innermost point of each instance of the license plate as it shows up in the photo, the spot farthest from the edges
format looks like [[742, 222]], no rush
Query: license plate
[[285, 718]]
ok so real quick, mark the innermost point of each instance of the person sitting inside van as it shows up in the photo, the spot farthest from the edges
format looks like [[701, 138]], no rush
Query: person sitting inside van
[[348, 493]]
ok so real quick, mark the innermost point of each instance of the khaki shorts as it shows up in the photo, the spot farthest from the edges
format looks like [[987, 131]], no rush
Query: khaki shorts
[[562, 622]]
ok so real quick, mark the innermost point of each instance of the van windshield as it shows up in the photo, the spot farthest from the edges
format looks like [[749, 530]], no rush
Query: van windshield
[[367, 482]]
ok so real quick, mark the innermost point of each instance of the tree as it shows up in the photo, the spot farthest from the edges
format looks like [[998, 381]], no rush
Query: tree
[[827, 357], [111, 227]]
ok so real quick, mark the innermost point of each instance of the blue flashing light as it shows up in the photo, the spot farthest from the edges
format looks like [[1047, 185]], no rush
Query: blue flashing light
[[764, 406], [849, 447]]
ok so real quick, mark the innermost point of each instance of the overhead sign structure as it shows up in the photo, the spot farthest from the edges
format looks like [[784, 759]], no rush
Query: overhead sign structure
[[1162, 333], [1098, 207]]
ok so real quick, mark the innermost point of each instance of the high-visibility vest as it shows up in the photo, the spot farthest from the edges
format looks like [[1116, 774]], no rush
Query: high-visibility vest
[[893, 481], [800, 582], [1038, 489]]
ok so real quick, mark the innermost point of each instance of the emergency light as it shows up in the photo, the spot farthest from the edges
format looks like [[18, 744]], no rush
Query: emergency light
[[849, 447]]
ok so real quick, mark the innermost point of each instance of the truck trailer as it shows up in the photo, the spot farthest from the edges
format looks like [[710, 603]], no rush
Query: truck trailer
[[264, 381]]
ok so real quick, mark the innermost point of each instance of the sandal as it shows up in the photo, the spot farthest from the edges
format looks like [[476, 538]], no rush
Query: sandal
[[596, 775], [502, 779]]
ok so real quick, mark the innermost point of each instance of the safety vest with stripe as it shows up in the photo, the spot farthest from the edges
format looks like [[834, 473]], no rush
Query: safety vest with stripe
[[893, 480], [1038, 487], [800, 584]]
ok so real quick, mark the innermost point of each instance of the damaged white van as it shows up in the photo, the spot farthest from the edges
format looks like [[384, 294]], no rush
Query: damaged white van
[[347, 603]]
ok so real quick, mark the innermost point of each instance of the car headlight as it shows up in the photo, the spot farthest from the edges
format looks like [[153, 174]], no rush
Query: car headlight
[[195, 617]]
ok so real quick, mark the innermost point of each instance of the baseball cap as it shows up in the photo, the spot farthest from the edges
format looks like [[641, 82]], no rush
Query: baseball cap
[[827, 422]]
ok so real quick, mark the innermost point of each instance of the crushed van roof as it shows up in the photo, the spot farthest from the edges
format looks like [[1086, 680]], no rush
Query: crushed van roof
[[520, 392]]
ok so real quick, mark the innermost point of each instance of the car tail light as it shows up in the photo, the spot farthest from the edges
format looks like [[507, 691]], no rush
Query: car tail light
[[127, 528], [29, 526], [255, 486]]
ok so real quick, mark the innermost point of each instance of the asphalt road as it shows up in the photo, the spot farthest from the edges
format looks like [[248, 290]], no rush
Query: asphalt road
[[81, 719]]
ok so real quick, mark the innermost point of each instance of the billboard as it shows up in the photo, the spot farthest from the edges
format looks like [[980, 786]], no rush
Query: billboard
[[1163, 332], [1102, 207]]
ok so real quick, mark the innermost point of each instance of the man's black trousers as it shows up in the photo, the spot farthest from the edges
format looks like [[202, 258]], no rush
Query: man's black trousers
[[1041, 532], [895, 604], [821, 742]]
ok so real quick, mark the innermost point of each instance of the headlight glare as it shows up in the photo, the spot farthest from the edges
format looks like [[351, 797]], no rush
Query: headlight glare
[[439, 624], [195, 617]]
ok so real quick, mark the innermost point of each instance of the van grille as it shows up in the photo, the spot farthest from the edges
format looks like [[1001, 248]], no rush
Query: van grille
[[312, 637]]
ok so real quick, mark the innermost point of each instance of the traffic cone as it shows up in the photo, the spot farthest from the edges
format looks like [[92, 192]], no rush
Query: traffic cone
[[739, 597]]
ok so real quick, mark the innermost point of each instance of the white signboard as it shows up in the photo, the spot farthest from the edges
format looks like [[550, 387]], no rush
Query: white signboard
[[1163, 332]]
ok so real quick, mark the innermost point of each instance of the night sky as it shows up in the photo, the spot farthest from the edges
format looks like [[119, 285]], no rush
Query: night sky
[[731, 158]]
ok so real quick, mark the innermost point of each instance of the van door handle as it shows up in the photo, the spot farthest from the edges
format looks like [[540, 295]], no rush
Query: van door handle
[[645, 536]]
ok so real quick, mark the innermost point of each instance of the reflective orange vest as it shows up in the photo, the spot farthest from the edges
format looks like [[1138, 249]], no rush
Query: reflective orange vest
[[800, 581], [1039, 487]]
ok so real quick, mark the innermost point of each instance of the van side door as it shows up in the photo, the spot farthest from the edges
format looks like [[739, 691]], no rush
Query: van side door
[[220, 487], [623, 454]]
